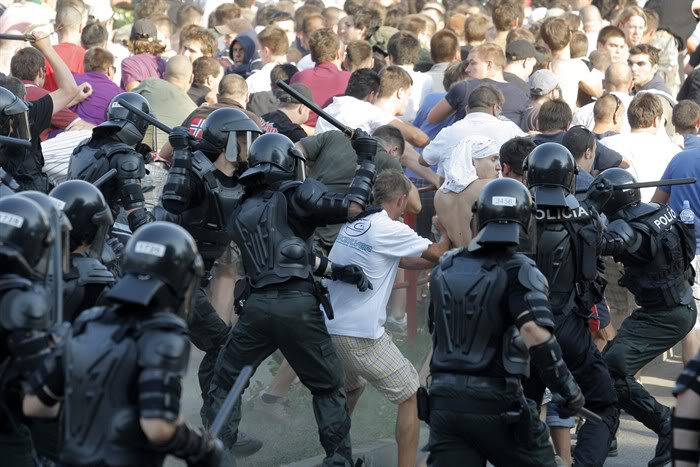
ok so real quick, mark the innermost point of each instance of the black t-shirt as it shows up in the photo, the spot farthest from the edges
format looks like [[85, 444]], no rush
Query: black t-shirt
[[284, 126], [516, 80], [605, 157], [25, 164], [513, 108]]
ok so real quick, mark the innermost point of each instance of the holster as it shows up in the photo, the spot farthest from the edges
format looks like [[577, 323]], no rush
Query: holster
[[423, 401], [321, 292], [241, 292]]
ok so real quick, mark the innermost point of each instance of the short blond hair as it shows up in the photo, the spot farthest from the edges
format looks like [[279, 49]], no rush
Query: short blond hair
[[490, 52]]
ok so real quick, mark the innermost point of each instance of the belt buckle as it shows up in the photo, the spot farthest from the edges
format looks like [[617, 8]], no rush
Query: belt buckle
[[579, 289]]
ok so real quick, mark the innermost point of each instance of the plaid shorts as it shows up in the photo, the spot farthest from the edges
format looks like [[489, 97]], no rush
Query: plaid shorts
[[619, 300], [377, 362], [696, 290]]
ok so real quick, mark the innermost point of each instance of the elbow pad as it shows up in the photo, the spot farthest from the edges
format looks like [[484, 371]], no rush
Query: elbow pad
[[620, 237], [362, 183], [547, 358], [177, 191], [138, 218]]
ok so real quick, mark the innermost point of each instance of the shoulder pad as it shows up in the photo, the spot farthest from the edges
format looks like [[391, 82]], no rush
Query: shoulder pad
[[201, 165], [25, 309], [308, 193], [164, 348], [130, 165], [92, 271], [13, 281], [288, 185], [447, 258], [631, 213], [91, 314], [115, 148], [530, 276]]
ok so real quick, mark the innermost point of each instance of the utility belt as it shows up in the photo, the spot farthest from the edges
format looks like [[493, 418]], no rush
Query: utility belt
[[243, 290], [665, 293]]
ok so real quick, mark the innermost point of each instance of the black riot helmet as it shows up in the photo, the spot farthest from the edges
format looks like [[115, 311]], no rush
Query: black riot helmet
[[272, 158], [619, 198], [550, 174], [25, 237], [85, 207], [221, 131], [504, 215], [161, 267], [130, 128], [15, 120]]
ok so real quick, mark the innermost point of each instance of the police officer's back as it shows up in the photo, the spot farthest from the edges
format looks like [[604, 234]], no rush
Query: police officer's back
[[25, 240], [115, 144], [120, 372], [489, 306]]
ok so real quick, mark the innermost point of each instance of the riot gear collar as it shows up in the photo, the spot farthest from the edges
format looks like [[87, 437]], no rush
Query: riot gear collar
[[88, 212], [221, 131], [161, 263], [619, 198], [15, 116], [550, 174], [504, 215], [25, 236], [128, 127], [272, 158]]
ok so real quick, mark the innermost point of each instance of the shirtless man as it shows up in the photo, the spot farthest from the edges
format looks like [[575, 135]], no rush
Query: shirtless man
[[573, 73]]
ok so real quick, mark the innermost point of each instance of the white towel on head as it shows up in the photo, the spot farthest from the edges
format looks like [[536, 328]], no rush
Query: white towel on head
[[459, 169]]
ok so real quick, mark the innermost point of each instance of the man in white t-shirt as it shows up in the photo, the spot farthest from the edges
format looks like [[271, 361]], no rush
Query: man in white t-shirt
[[379, 243], [647, 151]]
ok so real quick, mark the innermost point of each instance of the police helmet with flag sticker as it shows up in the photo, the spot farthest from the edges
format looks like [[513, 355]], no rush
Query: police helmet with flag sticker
[[161, 266], [25, 236], [131, 128], [221, 132], [504, 215]]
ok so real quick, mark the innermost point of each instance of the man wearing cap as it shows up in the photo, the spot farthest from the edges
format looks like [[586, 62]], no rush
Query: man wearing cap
[[543, 87], [290, 115], [521, 58]]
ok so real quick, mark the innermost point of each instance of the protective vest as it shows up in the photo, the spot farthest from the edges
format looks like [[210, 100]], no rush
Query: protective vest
[[271, 251], [101, 409], [566, 254], [83, 284], [666, 279], [207, 222], [473, 332]]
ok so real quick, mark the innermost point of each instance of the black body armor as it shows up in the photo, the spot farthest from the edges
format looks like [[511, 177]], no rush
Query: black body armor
[[131, 367], [95, 157], [473, 332], [666, 279], [84, 283]]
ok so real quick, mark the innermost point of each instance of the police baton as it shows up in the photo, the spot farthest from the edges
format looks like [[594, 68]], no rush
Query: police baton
[[582, 412], [16, 37], [311, 105], [15, 142], [148, 117], [230, 400], [57, 265], [105, 178], [631, 186]]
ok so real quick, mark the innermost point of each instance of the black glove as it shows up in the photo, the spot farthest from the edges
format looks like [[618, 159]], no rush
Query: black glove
[[145, 150], [213, 458], [364, 145], [599, 193], [351, 274], [568, 407], [179, 138]]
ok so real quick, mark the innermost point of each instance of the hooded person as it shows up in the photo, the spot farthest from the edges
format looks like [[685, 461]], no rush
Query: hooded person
[[247, 61]]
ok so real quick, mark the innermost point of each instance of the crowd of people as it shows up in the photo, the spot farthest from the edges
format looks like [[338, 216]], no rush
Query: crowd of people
[[164, 182]]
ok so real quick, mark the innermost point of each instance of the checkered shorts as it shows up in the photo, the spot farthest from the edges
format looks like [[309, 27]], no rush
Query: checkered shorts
[[377, 362]]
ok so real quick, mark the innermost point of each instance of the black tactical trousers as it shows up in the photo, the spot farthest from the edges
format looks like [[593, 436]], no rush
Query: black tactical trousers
[[16, 448], [643, 336], [591, 373], [292, 321], [460, 437], [208, 332]]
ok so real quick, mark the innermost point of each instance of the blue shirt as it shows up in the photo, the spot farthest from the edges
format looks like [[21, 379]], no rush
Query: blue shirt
[[684, 164], [691, 142], [430, 129]]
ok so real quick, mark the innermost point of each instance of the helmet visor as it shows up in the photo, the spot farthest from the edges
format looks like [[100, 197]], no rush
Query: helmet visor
[[19, 126], [238, 144]]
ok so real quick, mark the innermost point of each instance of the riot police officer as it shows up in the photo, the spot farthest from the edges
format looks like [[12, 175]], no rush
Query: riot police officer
[[25, 241], [200, 194], [119, 374], [116, 144], [570, 237], [85, 207], [273, 228], [489, 313], [658, 272]]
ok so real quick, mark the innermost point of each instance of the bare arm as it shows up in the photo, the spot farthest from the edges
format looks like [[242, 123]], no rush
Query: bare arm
[[533, 334], [660, 197], [414, 161], [33, 407], [414, 205], [158, 431], [413, 135], [132, 85], [440, 112], [67, 89]]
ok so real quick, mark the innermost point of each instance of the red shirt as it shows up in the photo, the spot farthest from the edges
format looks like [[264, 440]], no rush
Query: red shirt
[[72, 55], [60, 119], [325, 81]]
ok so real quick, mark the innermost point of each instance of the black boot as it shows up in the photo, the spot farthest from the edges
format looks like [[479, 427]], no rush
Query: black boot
[[663, 447]]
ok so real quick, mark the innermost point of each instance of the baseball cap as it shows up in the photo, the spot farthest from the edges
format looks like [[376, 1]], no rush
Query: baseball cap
[[287, 98], [520, 50], [143, 29], [542, 82]]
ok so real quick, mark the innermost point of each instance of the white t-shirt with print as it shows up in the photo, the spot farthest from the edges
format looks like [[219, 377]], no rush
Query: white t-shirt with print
[[376, 244]]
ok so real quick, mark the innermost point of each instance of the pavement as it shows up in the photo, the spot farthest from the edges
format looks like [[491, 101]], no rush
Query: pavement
[[635, 443]]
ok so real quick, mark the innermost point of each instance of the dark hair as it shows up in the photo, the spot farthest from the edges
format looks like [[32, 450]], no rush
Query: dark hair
[[404, 48], [643, 110], [368, 19], [26, 64], [554, 115], [685, 116], [362, 83], [454, 73], [187, 14], [444, 46], [514, 152], [608, 32], [264, 16], [485, 96], [577, 140], [204, 67], [14, 85], [646, 49], [98, 59], [390, 135], [357, 52], [283, 72], [555, 33], [93, 35]]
